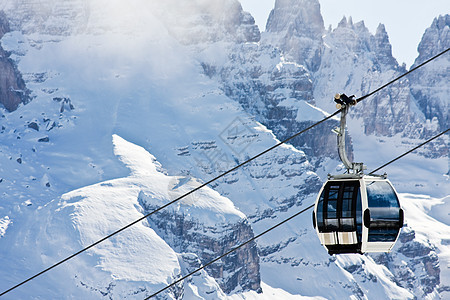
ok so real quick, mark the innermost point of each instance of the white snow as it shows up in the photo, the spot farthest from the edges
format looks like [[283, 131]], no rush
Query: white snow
[[306, 111], [430, 219], [269, 293], [137, 256], [158, 189]]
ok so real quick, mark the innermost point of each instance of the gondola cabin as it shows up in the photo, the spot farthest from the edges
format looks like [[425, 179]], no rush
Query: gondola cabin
[[356, 213]]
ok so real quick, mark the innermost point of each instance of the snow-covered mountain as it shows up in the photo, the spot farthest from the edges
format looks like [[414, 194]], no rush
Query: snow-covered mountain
[[433, 102], [121, 108]]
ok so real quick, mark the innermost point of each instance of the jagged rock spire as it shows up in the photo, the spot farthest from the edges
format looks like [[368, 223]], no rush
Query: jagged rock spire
[[429, 84], [301, 17], [383, 48], [435, 39], [296, 27]]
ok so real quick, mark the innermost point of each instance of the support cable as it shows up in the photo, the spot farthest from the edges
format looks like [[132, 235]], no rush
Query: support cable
[[277, 225], [230, 251], [169, 203], [212, 180], [398, 78], [398, 157]]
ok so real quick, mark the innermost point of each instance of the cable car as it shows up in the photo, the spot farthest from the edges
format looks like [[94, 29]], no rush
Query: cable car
[[357, 214], [354, 212]]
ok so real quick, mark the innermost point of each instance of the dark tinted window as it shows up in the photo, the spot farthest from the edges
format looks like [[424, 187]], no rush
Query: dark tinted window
[[384, 212], [320, 211], [359, 215], [347, 201], [381, 194], [333, 195], [337, 206]]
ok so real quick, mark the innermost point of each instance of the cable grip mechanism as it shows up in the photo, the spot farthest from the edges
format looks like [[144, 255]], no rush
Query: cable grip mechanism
[[343, 102]]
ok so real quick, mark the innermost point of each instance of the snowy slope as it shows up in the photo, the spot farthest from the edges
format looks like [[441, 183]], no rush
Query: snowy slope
[[427, 222], [130, 265]]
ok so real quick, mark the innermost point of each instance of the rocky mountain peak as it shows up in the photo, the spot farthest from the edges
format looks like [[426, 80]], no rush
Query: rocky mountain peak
[[381, 31], [296, 27], [345, 23], [298, 17], [429, 85], [383, 47], [356, 38], [435, 39], [353, 60]]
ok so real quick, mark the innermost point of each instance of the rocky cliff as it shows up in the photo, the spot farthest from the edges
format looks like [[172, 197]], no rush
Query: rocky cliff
[[187, 233], [429, 85], [357, 61], [296, 27], [12, 87], [48, 17], [278, 92], [421, 273]]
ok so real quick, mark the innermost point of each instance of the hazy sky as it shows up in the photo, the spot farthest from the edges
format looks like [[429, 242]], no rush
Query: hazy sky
[[405, 20]]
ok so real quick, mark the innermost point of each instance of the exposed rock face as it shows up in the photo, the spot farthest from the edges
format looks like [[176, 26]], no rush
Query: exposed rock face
[[277, 92], [430, 84], [415, 264], [355, 60], [4, 24], [189, 263], [236, 272], [297, 27], [383, 48], [12, 87], [48, 17], [415, 107], [274, 80]]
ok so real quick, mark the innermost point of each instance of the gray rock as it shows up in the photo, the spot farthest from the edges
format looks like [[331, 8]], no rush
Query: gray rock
[[236, 272], [13, 91]]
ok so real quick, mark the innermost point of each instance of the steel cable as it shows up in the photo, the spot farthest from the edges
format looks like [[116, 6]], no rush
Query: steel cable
[[278, 224], [214, 179]]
